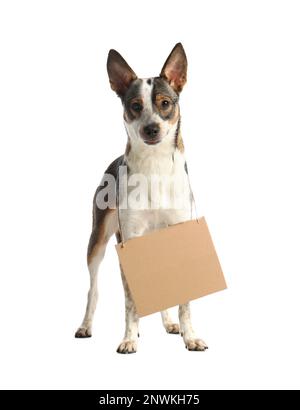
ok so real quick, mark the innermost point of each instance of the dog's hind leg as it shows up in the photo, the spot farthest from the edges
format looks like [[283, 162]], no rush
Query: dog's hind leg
[[188, 334], [169, 325], [105, 225]]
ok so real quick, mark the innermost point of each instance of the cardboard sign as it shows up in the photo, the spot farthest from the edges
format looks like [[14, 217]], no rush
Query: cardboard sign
[[171, 266]]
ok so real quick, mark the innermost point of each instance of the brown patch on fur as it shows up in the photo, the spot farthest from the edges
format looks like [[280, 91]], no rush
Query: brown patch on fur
[[99, 235], [175, 116], [164, 112], [179, 143]]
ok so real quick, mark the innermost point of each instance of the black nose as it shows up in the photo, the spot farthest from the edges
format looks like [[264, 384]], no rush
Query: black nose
[[151, 130]]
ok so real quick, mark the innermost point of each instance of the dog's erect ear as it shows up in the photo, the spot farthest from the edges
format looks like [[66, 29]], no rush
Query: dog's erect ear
[[175, 68], [119, 73]]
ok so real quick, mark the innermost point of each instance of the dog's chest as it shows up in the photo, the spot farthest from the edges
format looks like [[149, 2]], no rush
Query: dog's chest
[[149, 165], [168, 194], [164, 177]]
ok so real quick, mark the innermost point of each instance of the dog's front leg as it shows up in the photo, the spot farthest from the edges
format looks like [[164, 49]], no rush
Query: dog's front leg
[[129, 342], [134, 224], [187, 332]]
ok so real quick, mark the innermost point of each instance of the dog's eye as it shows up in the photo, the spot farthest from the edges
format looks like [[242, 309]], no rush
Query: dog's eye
[[165, 104], [136, 106]]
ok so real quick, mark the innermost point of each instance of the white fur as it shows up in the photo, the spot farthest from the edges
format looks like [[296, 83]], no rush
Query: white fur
[[171, 164], [162, 160]]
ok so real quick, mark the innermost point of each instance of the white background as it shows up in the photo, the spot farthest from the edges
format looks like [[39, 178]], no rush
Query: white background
[[60, 127]]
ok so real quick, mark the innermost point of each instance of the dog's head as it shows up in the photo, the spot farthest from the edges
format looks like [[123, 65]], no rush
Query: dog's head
[[151, 110]]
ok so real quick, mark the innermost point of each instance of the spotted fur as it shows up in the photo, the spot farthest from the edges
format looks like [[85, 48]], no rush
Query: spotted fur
[[154, 146]]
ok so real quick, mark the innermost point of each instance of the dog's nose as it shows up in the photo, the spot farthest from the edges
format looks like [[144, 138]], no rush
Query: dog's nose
[[151, 130]]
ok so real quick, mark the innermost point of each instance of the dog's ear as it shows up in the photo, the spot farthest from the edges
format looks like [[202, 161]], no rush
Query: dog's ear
[[119, 73], [175, 68]]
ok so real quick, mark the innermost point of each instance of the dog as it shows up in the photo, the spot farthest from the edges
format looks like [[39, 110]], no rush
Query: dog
[[154, 147]]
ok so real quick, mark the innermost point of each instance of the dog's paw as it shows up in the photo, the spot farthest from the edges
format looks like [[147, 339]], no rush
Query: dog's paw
[[127, 347], [196, 345], [83, 332], [172, 328]]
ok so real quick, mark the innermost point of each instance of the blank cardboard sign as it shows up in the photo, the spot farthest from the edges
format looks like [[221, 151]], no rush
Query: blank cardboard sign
[[171, 266]]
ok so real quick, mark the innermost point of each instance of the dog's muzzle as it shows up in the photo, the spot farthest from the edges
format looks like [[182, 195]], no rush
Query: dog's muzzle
[[151, 133]]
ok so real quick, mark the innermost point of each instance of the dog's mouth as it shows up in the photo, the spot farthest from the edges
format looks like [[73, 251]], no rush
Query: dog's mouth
[[152, 141]]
